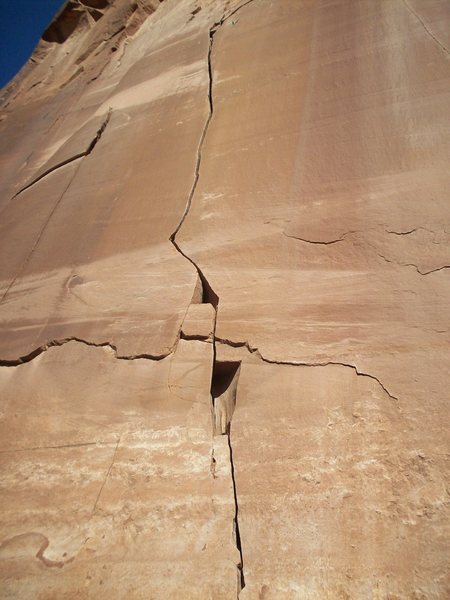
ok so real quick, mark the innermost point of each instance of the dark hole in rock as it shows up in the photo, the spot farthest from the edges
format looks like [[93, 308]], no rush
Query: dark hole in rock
[[208, 294], [96, 14], [64, 24], [96, 3], [223, 392], [223, 376]]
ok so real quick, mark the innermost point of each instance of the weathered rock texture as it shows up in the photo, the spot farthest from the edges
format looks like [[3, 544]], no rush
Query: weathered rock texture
[[225, 302]]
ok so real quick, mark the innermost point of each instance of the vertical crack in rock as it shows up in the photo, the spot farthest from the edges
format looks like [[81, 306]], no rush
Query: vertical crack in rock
[[58, 202], [212, 31], [209, 296], [224, 382], [224, 374], [237, 535]]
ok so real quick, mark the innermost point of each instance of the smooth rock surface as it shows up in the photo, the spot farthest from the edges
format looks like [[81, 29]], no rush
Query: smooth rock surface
[[225, 303]]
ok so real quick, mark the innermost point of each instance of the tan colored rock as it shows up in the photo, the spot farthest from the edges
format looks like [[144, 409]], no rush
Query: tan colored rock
[[198, 322], [107, 487], [224, 303]]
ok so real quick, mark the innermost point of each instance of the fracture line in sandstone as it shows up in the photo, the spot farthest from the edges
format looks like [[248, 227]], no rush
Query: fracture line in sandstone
[[72, 158], [58, 202], [236, 516], [430, 33], [254, 350], [400, 264], [318, 242], [209, 295], [107, 475], [37, 351], [59, 447]]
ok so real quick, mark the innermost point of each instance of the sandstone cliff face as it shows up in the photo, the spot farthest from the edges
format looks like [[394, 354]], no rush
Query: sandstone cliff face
[[224, 302]]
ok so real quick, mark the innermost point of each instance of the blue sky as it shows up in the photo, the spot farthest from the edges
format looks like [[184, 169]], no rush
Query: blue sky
[[22, 23]]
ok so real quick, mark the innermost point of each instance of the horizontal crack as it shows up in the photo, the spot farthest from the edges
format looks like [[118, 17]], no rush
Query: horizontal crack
[[402, 232], [61, 446], [256, 352], [195, 337], [432, 270], [319, 242], [37, 351]]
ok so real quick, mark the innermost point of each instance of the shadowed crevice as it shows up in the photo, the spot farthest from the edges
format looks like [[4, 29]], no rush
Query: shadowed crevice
[[224, 375], [224, 383]]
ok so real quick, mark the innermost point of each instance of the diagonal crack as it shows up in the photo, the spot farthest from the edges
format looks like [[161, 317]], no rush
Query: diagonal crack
[[58, 202], [73, 158], [432, 270], [429, 32], [39, 236]]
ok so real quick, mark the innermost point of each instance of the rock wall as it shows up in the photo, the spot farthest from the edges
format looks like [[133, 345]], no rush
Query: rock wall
[[225, 302]]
